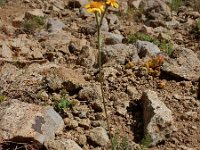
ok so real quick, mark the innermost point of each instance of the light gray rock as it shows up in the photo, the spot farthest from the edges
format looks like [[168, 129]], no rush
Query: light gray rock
[[183, 64], [112, 38], [29, 120], [55, 25], [99, 136], [63, 144], [158, 119], [118, 53], [146, 48]]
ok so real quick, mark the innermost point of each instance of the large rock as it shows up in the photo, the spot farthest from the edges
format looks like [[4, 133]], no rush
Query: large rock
[[146, 48], [118, 53], [183, 64], [158, 120], [19, 119], [62, 145]]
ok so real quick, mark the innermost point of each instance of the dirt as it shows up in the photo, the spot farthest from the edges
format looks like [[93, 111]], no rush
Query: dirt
[[180, 96]]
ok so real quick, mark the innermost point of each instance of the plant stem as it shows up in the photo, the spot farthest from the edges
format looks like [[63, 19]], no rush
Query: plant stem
[[101, 78]]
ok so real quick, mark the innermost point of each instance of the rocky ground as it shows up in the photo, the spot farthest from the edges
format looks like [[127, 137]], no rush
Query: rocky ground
[[50, 94]]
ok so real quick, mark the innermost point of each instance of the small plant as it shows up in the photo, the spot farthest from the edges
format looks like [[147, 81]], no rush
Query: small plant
[[123, 145], [196, 30], [164, 45], [197, 27], [175, 4], [2, 98], [153, 66], [64, 103], [99, 8], [143, 37], [146, 141], [2, 2], [32, 24]]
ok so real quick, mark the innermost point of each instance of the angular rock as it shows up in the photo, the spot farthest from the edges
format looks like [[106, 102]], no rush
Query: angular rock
[[5, 51], [55, 25], [90, 93], [183, 64], [112, 38], [146, 48], [34, 13], [157, 12], [118, 53], [158, 119], [113, 21], [87, 57], [99, 136], [64, 78], [136, 3], [63, 144], [29, 120]]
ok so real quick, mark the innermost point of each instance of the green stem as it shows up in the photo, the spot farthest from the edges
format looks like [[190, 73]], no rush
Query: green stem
[[101, 78], [102, 16]]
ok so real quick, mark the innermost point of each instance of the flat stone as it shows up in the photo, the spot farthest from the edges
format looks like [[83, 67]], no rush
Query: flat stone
[[146, 48], [183, 64], [28, 120], [63, 144]]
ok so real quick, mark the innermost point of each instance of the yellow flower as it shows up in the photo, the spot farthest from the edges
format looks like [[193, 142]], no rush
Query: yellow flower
[[95, 7], [112, 3]]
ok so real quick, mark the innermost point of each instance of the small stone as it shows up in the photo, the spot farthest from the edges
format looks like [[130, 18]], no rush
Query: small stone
[[43, 95], [63, 144], [55, 25], [85, 123], [99, 136], [82, 140], [72, 124]]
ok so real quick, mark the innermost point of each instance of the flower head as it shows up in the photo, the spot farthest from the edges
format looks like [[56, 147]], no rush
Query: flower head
[[112, 3], [95, 7]]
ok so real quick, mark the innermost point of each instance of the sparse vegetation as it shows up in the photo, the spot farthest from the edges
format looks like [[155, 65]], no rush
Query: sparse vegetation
[[64, 103], [2, 98], [120, 145], [175, 4], [33, 24], [198, 26], [164, 45], [153, 66], [146, 141], [2, 2]]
